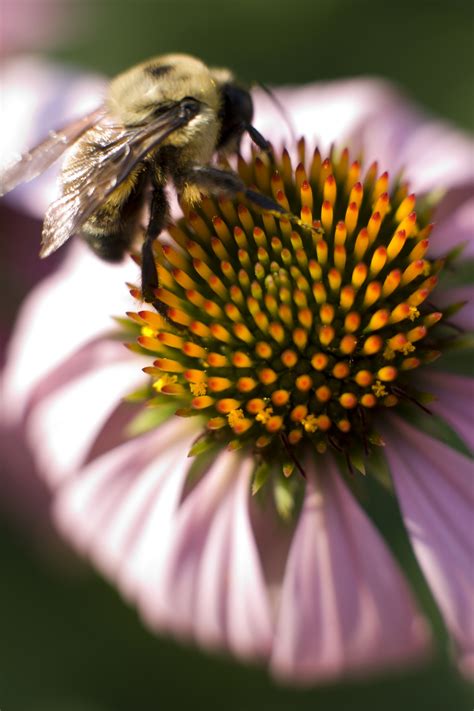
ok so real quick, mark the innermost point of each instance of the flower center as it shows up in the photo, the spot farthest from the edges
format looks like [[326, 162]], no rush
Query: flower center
[[298, 328]]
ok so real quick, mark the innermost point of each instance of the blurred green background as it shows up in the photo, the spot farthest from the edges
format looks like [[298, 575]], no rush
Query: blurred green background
[[67, 641], [425, 45]]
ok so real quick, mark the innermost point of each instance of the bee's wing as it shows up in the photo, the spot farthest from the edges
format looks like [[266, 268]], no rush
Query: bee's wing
[[104, 169], [36, 161]]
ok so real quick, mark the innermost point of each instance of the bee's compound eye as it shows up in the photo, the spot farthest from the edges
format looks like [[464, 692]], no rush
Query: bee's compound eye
[[190, 107]]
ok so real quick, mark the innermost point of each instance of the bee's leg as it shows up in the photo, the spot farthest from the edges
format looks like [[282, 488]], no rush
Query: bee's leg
[[158, 214], [215, 180]]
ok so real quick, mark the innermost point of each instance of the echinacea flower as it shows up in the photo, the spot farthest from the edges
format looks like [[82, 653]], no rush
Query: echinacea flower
[[294, 356]]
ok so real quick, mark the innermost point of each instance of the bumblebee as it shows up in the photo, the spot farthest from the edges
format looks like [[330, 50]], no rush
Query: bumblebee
[[162, 120]]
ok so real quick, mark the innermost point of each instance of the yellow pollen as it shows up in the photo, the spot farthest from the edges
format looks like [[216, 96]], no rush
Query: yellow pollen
[[234, 416], [407, 348], [198, 388], [147, 332], [264, 415], [165, 379], [310, 423], [388, 353], [414, 313], [379, 389]]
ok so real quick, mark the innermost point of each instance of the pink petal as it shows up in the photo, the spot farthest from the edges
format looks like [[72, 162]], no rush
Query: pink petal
[[119, 510], [432, 154], [37, 97], [454, 225], [322, 112], [345, 607], [465, 317], [435, 488], [214, 581], [64, 425], [455, 401], [63, 314]]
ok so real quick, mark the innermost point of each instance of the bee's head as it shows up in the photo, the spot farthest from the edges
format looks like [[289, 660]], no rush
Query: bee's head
[[137, 95], [235, 117]]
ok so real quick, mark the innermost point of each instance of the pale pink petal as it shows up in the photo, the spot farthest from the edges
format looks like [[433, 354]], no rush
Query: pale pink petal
[[28, 24], [454, 226], [345, 607], [39, 96], [119, 509], [214, 581], [464, 318], [64, 425], [431, 154], [65, 312], [455, 402], [322, 112], [435, 488]]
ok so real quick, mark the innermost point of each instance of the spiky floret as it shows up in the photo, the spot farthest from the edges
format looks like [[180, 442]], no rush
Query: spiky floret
[[281, 331]]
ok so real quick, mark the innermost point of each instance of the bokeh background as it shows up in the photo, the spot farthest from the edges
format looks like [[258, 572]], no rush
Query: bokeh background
[[67, 641]]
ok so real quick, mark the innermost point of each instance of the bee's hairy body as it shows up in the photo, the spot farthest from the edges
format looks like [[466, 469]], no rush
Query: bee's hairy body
[[162, 120], [112, 228]]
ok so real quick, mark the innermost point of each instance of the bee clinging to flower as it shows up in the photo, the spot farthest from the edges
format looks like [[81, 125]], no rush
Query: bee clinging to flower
[[162, 119]]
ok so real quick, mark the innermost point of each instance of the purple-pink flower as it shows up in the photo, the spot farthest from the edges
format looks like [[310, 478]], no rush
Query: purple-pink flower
[[202, 558]]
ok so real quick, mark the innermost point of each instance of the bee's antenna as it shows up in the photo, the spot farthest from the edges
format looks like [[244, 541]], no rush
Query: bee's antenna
[[276, 101]]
